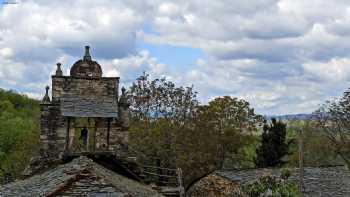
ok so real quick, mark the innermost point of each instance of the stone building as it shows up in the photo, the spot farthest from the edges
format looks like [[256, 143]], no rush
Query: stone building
[[86, 115]]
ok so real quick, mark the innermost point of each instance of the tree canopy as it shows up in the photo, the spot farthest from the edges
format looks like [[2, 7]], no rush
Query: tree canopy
[[333, 118], [170, 125], [19, 133]]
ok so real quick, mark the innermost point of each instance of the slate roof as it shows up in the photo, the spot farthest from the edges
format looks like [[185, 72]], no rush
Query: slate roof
[[77, 107], [322, 181], [80, 177]]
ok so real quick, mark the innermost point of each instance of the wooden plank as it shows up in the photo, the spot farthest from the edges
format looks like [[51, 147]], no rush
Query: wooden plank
[[108, 131], [67, 134], [159, 175]]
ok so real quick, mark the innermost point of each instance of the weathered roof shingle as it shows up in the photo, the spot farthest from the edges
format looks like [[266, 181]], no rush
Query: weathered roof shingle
[[76, 107]]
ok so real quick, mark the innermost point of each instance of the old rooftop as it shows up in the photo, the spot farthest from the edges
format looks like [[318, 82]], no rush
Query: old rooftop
[[320, 181], [80, 177]]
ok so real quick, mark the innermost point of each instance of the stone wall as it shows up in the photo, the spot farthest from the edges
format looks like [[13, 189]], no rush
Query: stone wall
[[117, 135], [98, 134], [53, 132], [101, 139], [123, 112], [52, 140], [94, 88], [119, 138]]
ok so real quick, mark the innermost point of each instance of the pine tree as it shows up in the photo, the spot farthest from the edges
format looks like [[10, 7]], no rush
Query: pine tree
[[273, 145]]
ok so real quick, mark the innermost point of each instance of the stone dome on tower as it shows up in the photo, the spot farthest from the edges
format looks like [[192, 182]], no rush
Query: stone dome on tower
[[86, 67]]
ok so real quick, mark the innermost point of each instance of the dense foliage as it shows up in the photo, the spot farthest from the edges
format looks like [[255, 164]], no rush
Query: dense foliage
[[19, 134], [233, 125], [273, 146], [169, 126]]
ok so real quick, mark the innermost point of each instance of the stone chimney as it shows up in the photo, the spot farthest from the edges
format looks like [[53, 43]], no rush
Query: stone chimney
[[87, 56]]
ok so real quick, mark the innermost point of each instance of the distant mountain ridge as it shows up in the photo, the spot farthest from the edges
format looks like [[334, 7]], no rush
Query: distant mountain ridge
[[289, 117]]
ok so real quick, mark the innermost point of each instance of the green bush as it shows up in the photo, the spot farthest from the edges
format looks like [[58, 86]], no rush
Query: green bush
[[271, 186], [285, 173]]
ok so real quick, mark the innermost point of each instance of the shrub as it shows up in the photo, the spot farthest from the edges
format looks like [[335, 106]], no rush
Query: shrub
[[270, 186]]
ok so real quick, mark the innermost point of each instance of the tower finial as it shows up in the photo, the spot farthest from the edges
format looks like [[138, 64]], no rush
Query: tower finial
[[59, 70], [87, 56], [46, 98], [123, 91], [123, 100]]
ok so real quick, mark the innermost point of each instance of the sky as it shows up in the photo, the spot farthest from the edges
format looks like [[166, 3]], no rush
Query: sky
[[283, 56]]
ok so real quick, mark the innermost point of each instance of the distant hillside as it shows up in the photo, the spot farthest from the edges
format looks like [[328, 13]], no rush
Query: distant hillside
[[19, 101], [290, 117], [19, 132]]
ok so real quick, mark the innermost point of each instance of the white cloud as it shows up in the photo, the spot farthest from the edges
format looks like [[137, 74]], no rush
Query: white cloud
[[132, 66], [6, 52], [34, 35], [297, 50], [284, 56], [334, 71], [168, 9]]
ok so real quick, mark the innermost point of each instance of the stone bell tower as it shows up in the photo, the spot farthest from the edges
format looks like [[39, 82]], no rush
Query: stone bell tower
[[85, 115]]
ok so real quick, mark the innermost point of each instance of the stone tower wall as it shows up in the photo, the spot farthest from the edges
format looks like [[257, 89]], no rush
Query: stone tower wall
[[53, 132], [98, 88]]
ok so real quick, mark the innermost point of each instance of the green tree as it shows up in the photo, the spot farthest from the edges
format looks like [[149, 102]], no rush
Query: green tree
[[218, 136], [232, 121], [333, 120], [160, 112], [159, 98], [273, 145], [318, 150], [169, 125]]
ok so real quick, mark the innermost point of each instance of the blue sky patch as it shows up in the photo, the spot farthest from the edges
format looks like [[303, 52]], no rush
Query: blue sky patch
[[178, 58]]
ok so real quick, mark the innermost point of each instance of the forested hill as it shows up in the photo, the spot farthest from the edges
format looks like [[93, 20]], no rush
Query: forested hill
[[19, 118], [290, 117]]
